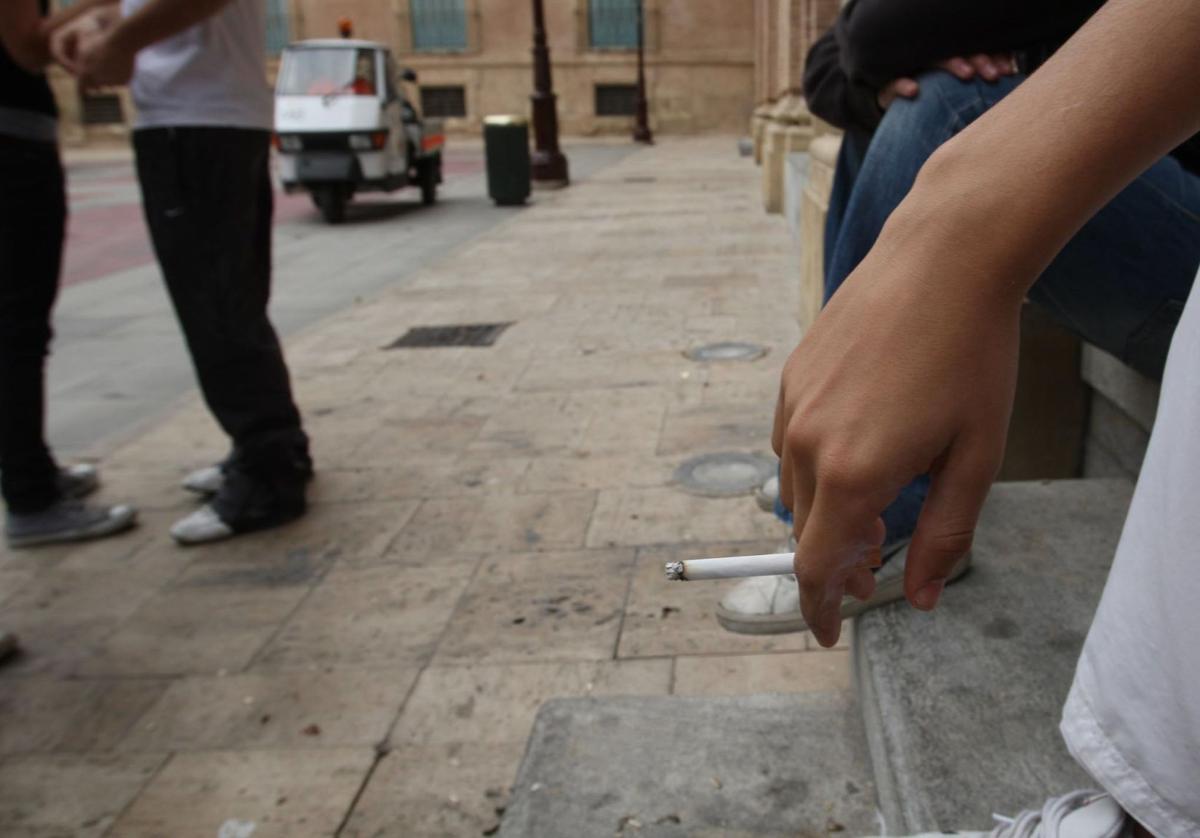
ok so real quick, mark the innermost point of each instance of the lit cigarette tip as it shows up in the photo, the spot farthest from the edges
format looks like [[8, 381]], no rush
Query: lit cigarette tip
[[674, 571]]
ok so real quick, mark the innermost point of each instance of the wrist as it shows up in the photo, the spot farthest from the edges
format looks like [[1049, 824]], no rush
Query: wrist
[[972, 224]]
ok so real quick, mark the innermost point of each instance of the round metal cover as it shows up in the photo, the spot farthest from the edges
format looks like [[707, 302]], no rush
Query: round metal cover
[[724, 475], [727, 351]]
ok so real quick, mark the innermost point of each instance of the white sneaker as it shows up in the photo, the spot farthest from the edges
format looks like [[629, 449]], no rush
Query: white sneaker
[[771, 604], [205, 481], [1079, 814], [202, 526], [766, 494]]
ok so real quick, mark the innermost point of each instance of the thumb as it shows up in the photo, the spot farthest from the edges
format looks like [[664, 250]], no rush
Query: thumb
[[907, 88], [947, 524]]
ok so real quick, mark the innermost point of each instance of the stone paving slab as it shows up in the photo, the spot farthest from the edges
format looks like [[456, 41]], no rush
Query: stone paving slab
[[762, 766]]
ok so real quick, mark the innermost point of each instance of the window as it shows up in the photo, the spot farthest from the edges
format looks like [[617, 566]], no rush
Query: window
[[439, 25], [101, 109], [278, 33], [616, 99], [612, 24], [445, 101]]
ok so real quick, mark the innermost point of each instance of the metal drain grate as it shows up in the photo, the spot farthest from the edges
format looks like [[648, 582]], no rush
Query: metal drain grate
[[460, 334], [640, 179]]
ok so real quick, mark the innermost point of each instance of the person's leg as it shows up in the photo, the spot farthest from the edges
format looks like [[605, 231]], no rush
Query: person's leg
[[41, 498], [32, 223], [207, 199]]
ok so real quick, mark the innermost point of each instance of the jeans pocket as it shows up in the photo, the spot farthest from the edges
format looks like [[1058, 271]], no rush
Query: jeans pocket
[[1146, 348]]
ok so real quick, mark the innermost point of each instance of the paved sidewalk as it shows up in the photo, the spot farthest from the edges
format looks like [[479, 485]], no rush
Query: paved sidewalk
[[119, 362], [488, 531]]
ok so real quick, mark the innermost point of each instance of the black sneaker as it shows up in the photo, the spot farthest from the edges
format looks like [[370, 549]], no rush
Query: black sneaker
[[67, 520], [243, 504]]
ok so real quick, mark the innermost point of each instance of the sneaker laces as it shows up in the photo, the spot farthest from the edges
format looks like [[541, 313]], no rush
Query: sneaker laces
[[1045, 823]]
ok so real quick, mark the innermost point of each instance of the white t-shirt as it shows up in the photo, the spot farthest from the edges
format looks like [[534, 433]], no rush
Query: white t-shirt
[[211, 74], [1132, 718]]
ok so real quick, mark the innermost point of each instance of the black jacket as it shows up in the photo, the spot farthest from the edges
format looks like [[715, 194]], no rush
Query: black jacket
[[22, 91], [876, 41]]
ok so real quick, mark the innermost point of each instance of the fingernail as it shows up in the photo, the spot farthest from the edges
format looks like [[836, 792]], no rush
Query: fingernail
[[927, 597]]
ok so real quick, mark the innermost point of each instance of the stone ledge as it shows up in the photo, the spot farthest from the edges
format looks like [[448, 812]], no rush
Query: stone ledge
[[1132, 392], [962, 706]]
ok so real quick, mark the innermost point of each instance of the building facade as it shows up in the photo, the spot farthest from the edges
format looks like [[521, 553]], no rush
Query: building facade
[[473, 58], [783, 32]]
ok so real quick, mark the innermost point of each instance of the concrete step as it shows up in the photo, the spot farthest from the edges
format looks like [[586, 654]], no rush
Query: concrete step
[[961, 707], [668, 767]]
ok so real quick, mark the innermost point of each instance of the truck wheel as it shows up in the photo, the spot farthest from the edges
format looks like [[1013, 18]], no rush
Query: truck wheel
[[430, 171], [331, 201]]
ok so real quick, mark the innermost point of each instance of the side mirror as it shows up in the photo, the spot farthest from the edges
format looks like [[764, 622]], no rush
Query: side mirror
[[409, 75]]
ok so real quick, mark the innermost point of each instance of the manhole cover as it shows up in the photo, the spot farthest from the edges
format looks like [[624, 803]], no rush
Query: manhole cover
[[726, 351], [462, 334], [725, 474]]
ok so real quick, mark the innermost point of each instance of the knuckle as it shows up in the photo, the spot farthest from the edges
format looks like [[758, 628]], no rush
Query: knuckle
[[949, 545]]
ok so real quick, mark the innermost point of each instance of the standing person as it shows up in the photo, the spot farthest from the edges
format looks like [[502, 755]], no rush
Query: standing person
[[43, 500], [202, 141]]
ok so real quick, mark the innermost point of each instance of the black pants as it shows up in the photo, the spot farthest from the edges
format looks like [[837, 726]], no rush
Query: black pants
[[208, 203], [33, 215]]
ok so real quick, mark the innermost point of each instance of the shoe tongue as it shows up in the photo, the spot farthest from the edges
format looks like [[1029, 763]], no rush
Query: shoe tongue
[[1100, 818]]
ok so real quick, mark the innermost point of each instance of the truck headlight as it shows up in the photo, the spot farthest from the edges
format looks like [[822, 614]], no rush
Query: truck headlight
[[290, 142]]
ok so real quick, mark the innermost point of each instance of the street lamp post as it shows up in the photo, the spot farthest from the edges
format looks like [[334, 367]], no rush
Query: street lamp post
[[641, 126], [549, 164]]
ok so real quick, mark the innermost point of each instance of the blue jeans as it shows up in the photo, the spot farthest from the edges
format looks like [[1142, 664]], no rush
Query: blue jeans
[[1120, 283]]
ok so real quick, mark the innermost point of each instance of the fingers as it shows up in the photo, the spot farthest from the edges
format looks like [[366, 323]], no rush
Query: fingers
[[947, 523], [989, 67], [834, 548], [907, 88], [985, 67], [1005, 63], [960, 68], [64, 47]]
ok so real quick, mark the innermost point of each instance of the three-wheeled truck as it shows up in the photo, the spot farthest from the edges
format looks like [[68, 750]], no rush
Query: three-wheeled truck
[[344, 125]]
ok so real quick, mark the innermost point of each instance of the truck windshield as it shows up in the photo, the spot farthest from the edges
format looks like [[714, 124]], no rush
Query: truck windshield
[[317, 71]]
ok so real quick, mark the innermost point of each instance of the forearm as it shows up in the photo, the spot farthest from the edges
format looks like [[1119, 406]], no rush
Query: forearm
[[161, 19], [1018, 183]]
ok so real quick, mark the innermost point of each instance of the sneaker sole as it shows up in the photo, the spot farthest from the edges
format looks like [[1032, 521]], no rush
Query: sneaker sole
[[890, 591], [257, 526], [111, 527]]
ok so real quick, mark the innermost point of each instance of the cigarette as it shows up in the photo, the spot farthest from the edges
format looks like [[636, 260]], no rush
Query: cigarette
[[730, 567]]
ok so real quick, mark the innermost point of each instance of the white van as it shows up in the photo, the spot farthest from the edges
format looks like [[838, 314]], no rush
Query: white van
[[343, 125]]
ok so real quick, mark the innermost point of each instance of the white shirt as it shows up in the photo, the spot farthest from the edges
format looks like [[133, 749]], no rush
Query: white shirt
[[1132, 718], [211, 74]]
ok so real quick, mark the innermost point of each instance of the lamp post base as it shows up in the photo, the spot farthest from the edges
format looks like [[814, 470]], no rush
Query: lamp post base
[[549, 169]]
